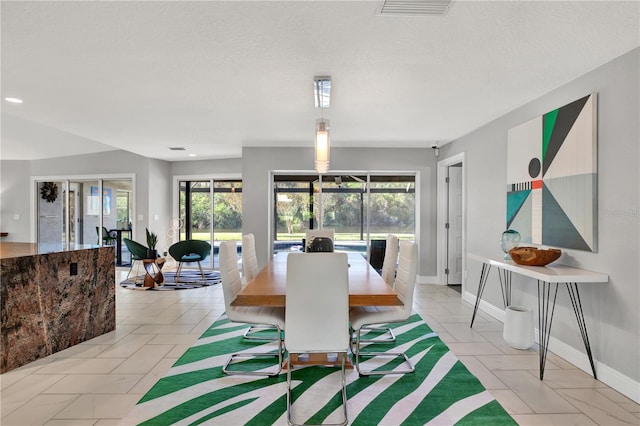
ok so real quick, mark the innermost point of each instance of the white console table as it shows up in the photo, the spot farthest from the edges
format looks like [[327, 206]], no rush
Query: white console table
[[548, 277]]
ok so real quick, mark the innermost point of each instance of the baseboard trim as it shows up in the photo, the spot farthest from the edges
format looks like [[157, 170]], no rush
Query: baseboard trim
[[607, 375]]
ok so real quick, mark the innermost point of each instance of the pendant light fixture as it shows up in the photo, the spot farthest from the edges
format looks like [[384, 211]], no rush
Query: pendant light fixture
[[322, 95], [322, 146]]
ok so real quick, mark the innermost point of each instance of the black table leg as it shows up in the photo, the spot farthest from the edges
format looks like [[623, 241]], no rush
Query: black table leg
[[119, 248], [574, 295], [483, 281], [505, 286], [545, 318]]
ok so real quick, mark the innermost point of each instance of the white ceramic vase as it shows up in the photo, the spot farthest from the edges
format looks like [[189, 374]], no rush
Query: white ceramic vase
[[518, 327]]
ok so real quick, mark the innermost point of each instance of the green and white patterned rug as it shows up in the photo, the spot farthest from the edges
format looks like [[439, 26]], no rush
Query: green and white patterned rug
[[440, 392]]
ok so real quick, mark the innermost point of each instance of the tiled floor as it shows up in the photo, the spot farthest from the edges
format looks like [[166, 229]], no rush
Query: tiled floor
[[98, 382]]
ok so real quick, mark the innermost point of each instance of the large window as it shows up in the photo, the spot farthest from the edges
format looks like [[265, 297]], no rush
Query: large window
[[359, 207], [211, 210], [392, 201]]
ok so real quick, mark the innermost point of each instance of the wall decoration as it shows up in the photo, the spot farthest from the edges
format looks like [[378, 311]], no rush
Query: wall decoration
[[552, 177], [49, 191]]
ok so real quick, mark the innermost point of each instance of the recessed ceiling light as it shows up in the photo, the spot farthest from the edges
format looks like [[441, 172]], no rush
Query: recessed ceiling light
[[13, 100], [193, 155]]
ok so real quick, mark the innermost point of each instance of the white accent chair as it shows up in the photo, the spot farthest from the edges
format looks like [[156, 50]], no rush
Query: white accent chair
[[362, 317], [272, 316], [388, 273], [317, 311], [249, 259]]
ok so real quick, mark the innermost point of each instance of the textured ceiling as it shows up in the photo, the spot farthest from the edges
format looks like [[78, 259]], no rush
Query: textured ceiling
[[214, 76]]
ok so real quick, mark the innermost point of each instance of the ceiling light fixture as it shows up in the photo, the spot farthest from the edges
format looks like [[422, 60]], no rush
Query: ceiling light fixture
[[322, 96], [13, 100]]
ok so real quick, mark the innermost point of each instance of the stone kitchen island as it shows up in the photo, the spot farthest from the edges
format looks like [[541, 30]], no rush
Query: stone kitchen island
[[53, 297]]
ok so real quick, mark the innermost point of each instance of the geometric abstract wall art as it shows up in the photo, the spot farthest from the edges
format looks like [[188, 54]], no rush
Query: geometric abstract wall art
[[552, 177]]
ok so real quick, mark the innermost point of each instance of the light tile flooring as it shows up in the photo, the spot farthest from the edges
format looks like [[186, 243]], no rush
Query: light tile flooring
[[99, 381]]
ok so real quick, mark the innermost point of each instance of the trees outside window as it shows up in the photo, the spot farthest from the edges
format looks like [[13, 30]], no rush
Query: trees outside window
[[358, 207]]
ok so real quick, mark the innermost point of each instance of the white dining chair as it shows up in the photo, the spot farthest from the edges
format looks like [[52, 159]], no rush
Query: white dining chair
[[363, 317], [249, 259], [271, 316], [317, 312], [250, 270], [388, 273], [390, 260]]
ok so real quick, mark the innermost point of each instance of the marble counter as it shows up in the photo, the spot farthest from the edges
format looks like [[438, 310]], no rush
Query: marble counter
[[8, 250], [52, 299]]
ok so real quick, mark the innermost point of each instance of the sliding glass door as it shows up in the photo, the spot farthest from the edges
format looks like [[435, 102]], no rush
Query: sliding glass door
[[359, 207], [210, 210], [344, 209], [295, 201], [85, 211]]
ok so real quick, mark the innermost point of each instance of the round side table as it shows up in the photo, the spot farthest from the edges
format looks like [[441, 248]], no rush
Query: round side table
[[153, 272]]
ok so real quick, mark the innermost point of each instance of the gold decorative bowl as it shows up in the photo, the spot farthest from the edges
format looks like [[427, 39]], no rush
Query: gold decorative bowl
[[532, 256]]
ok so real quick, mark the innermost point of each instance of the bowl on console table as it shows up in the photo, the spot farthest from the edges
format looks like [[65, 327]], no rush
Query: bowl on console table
[[532, 256]]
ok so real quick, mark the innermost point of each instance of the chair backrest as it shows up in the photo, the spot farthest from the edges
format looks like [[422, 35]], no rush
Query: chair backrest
[[137, 250], [406, 277], [317, 306], [105, 234], [376, 253], [187, 247], [249, 260], [390, 259], [229, 274], [312, 233]]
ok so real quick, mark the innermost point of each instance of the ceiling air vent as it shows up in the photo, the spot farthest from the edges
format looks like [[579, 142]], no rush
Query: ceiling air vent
[[414, 7], [177, 148]]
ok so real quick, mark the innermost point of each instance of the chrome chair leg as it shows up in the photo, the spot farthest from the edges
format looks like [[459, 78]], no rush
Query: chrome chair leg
[[251, 333], [383, 331], [357, 355], [246, 355], [343, 392]]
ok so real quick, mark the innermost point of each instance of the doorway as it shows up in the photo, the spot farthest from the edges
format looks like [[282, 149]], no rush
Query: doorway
[[210, 209], [453, 227], [69, 212], [451, 222]]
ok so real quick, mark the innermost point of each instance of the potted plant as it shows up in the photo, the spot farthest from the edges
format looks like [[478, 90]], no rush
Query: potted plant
[[152, 240]]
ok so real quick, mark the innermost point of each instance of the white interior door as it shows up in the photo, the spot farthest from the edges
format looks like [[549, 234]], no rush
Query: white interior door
[[454, 225]]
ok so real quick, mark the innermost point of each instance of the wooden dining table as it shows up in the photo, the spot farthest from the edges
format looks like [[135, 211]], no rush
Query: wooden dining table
[[268, 288]]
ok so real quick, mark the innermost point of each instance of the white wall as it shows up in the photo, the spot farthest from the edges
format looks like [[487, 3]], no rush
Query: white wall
[[231, 166], [612, 311], [14, 200], [257, 163], [159, 201]]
